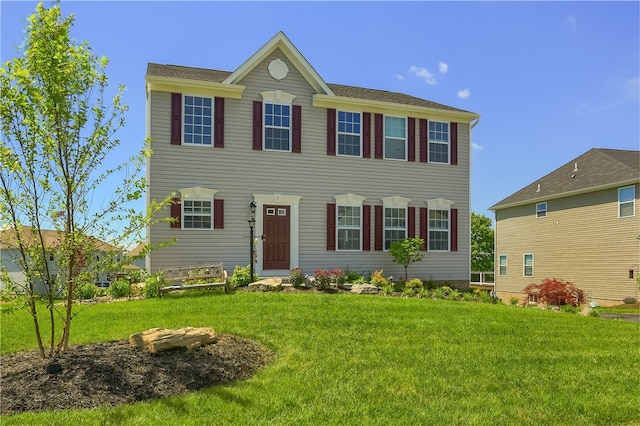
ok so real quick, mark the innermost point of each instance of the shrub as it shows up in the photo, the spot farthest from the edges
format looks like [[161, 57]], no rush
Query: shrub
[[423, 293], [556, 292], [414, 283], [513, 301], [297, 277], [152, 285], [322, 279], [120, 288], [86, 290], [354, 277], [570, 309], [378, 279], [242, 276]]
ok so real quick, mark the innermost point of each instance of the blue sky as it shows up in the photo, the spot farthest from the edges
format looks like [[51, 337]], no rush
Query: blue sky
[[551, 80]]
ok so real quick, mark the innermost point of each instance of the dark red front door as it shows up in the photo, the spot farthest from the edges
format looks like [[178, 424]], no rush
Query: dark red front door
[[276, 245]]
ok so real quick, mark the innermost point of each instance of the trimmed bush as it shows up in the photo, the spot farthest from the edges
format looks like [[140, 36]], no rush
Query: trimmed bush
[[553, 291], [120, 288]]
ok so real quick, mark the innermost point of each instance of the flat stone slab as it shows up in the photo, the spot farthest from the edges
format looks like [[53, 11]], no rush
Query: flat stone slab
[[267, 284], [161, 339], [364, 289]]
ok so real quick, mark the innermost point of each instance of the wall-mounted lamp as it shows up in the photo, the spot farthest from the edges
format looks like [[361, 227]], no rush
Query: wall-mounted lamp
[[252, 206]]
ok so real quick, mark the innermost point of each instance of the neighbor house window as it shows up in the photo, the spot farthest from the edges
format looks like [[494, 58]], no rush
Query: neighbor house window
[[541, 209], [528, 265], [438, 230], [197, 214], [349, 227], [395, 138], [277, 127], [198, 113], [438, 142], [349, 133], [627, 201], [395, 225], [502, 265]]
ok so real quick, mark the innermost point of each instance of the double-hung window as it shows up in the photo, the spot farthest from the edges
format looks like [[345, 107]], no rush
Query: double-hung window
[[438, 142], [277, 127], [197, 214], [502, 265], [438, 230], [395, 225], [395, 138], [541, 209], [528, 265], [627, 201], [349, 131], [198, 119], [349, 227]]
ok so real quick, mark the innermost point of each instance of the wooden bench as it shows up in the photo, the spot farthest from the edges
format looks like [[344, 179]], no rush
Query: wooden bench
[[194, 277]]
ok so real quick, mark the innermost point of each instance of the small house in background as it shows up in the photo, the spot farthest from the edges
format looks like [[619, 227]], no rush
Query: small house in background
[[579, 224], [137, 261], [10, 255], [330, 175]]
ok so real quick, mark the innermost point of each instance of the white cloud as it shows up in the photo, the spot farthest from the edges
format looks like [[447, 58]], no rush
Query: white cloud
[[423, 73], [476, 147], [463, 93], [571, 20], [399, 77], [443, 67]]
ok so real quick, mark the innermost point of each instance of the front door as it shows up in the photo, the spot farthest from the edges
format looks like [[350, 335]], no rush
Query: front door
[[277, 242]]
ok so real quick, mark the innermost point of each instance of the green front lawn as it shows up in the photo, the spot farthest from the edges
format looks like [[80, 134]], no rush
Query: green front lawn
[[361, 360]]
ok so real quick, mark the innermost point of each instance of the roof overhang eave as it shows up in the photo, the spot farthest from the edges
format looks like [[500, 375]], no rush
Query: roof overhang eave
[[174, 84]]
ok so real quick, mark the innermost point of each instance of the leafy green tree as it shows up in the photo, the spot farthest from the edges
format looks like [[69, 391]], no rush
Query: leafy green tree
[[57, 131], [482, 250], [406, 252]]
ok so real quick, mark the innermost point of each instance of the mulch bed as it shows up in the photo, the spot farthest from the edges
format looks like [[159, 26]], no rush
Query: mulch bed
[[114, 373]]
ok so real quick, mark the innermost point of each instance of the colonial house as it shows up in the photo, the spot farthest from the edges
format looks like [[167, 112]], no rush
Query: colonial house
[[578, 224], [331, 174], [10, 255]]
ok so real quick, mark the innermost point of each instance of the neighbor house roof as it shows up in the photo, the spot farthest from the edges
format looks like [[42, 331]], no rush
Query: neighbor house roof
[[594, 170], [52, 238]]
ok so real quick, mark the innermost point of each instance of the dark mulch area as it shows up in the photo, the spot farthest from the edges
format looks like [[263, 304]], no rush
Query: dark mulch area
[[114, 373]]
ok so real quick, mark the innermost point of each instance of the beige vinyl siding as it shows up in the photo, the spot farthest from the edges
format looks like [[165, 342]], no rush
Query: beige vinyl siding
[[237, 171], [581, 240]]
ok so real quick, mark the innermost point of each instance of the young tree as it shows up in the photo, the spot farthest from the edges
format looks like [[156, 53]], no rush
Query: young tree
[[406, 252], [57, 131], [481, 243]]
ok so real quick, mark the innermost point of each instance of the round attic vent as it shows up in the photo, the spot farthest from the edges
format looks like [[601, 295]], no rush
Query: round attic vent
[[278, 69]]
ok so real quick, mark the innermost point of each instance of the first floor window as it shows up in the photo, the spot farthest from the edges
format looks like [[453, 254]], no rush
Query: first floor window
[[502, 265], [349, 227], [277, 127], [395, 138], [395, 225], [198, 113], [349, 133], [438, 230], [528, 265], [627, 201], [438, 142], [541, 209], [197, 214]]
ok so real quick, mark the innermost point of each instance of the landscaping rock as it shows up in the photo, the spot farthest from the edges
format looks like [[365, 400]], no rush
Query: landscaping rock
[[364, 289], [267, 284], [160, 339]]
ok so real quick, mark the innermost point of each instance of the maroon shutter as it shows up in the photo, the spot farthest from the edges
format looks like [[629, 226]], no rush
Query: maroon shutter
[[331, 226], [411, 222], [366, 228], [454, 144], [424, 141], [378, 228], [411, 139], [257, 125], [176, 213], [454, 230], [331, 131], [297, 129], [378, 135], [366, 134], [218, 214], [176, 119], [424, 227], [218, 123]]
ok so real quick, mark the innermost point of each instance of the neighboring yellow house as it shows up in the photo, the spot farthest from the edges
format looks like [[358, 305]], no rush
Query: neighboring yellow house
[[578, 224]]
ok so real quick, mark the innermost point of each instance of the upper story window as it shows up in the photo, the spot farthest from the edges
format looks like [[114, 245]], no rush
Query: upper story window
[[438, 142], [198, 119], [349, 132], [277, 127], [541, 209], [395, 138], [502, 265], [627, 201], [349, 221], [528, 265]]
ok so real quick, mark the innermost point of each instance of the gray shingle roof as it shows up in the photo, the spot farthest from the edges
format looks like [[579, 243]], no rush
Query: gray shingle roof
[[596, 168], [202, 74]]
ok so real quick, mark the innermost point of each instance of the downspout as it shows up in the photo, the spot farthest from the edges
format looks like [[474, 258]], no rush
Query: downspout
[[472, 124]]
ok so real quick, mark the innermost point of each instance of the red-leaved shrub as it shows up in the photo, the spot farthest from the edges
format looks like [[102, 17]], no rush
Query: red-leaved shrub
[[553, 291]]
